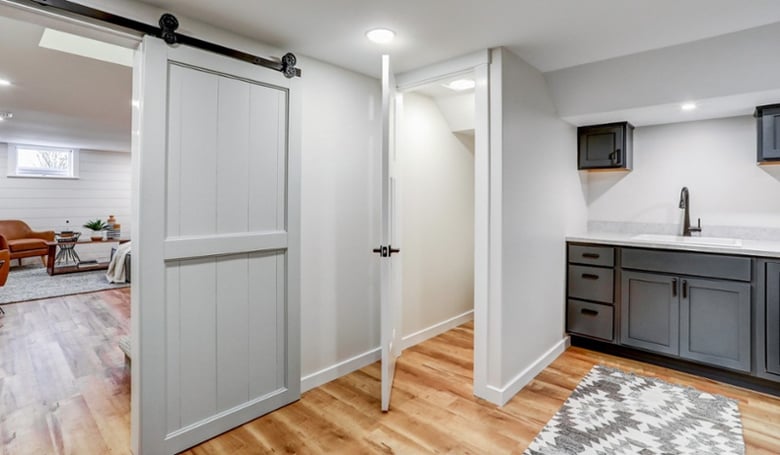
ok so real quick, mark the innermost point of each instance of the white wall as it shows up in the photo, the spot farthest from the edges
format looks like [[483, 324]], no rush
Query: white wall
[[437, 216], [459, 111], [542, 199], [339, 216], [102, 189], [715, 159]]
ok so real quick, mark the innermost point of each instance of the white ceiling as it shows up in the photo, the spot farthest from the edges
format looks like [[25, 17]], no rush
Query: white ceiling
[[549, 34], [58, 98]]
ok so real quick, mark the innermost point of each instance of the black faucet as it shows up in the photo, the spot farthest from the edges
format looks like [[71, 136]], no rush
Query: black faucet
[[685, 203]]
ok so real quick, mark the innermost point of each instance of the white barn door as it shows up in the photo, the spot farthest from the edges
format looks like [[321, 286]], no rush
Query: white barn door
[[215, 268]]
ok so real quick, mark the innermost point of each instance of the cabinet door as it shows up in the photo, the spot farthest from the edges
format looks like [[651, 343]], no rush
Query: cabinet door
[[773, 317], [715, 322], [601, 147], [769, 135], [650, 311]]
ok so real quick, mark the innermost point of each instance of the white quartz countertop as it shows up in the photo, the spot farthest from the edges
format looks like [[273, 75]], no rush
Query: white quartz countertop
[[759, 248]]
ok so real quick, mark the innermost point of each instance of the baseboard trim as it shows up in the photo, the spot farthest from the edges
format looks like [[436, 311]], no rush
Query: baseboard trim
[[340, 369], [436, 329], [501, 396]]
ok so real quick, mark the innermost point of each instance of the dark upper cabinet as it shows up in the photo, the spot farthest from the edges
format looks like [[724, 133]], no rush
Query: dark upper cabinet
[[773, 318], [607, 146], [768, 125]]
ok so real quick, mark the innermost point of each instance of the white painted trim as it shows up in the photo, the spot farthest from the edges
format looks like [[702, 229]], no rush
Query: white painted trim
[[340, 369], [436, 329], [436, 71], [503, 395], [482, 222], [487, 214]]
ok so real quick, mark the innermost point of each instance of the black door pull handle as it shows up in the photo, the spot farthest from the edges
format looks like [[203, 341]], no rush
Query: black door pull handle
[[591, 255], [674, 287], [590, 276], [589, 312], [685, 289], [386, 251]]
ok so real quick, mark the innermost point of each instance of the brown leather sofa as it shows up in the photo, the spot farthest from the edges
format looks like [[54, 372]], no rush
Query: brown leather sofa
[[5, 258], [23, 242]]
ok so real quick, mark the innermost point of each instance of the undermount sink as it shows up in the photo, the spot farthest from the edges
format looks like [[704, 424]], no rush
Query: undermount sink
[[712, 241]]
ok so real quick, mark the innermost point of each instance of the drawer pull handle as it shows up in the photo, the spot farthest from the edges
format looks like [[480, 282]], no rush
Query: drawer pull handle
[[591, 255], [589, 312], [590, 276]]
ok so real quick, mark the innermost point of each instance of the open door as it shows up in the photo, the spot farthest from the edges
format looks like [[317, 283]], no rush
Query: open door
[[215, 304], [390, 269]]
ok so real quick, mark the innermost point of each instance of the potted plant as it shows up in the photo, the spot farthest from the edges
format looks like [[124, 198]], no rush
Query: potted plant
[[96, 226]]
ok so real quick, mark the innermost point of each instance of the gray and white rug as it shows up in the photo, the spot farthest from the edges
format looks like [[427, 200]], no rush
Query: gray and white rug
[[613, 412], [32, 283]]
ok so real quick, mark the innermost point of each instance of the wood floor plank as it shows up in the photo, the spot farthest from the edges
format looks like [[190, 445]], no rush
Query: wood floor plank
[[64, 388]]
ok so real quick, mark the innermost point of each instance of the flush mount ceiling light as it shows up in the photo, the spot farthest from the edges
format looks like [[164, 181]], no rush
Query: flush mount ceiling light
[[461, 85], [4, 83], [5, 116], [86, 47], [380, 35], [688, 106]]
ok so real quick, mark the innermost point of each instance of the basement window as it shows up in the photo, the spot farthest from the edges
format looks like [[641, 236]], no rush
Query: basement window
[[42, 162]]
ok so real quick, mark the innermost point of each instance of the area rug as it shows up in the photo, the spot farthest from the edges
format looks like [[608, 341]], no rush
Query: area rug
[[613, 412], [32, 283]]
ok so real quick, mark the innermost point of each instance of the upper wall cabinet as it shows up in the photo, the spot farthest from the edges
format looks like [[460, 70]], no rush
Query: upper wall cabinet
[[768, 132], [607, 146]]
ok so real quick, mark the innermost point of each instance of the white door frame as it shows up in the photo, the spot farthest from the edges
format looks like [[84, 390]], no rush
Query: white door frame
[[478, 64]]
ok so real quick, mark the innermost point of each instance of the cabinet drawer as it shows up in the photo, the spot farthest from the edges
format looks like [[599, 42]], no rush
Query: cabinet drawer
[[591, 319], [591, 283], [592, 255], [685, 263]]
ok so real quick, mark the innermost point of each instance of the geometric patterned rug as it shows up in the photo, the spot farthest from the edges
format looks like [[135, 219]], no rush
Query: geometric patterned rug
[[613, 412]]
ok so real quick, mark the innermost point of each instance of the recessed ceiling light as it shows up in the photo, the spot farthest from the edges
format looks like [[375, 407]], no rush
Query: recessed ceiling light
[[5, 116], [688, 106], [5, 83], [461, 85], [380, 35]]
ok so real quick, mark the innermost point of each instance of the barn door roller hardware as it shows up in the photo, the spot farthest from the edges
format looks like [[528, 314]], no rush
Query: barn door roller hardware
[[167, 32]]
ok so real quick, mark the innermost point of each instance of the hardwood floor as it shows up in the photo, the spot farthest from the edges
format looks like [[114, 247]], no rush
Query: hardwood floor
[[64, 389], [434, 411]]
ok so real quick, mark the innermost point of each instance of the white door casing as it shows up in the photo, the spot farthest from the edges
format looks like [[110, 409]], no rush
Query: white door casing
[[487, 209], [390, 269], [215, 292]]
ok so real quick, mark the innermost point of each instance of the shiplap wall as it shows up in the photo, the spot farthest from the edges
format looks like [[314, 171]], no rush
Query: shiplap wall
[[102, 189]]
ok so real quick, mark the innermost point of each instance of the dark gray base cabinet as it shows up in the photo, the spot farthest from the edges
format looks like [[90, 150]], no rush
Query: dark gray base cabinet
[[650, 312], [697, 319], [773, 318], [715, 322]]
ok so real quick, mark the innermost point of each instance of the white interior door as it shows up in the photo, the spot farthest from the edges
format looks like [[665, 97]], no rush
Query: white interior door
[[390, 269], [215, 268]]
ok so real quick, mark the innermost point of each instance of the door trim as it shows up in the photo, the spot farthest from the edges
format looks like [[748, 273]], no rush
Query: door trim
[[487, 204]]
